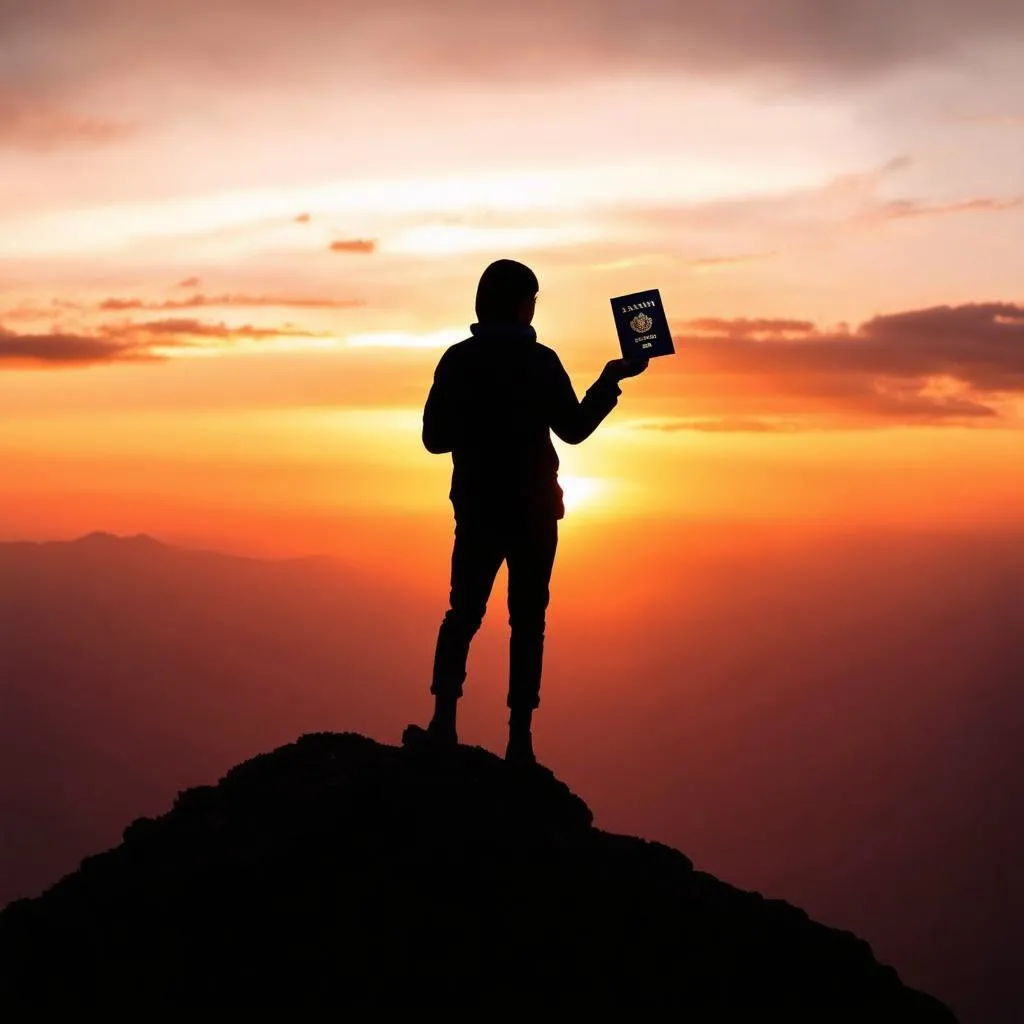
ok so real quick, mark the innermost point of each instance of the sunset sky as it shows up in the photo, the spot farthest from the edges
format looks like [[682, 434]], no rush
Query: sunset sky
[[235, 238]]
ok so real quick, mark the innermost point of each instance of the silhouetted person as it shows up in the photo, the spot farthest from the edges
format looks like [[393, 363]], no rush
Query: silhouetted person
[[494, 399]]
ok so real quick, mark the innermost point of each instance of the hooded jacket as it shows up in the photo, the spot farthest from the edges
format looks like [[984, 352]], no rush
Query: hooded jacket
[[494, 401]]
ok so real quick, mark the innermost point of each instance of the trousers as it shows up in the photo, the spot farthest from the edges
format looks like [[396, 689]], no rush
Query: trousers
[[481, 545]]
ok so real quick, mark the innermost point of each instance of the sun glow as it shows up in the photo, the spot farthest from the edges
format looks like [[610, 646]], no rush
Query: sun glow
[[581, 491], [407, 339]]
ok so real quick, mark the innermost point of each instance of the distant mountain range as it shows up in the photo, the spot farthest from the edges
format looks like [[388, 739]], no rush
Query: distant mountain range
[[129, 668]]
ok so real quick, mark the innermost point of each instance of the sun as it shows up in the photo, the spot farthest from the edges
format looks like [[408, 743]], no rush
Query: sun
[[580, 491]]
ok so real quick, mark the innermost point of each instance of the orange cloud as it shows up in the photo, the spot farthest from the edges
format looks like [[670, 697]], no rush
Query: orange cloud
[[943, 365], [364, 245], [727, 425]]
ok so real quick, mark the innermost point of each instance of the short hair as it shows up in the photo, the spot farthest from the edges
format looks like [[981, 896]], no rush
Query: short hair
[[504, 286]]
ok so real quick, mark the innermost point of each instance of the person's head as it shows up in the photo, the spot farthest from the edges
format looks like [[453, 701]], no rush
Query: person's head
[[507, 293]]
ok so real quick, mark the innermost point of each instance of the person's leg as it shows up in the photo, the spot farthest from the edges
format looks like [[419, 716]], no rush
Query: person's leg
[[531, 556], [476, 557]]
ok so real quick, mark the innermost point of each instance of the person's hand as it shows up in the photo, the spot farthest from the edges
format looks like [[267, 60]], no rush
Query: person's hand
[[620, 369]]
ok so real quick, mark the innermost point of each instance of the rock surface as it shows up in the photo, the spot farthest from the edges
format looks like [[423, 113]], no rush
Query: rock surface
[[340, 872]]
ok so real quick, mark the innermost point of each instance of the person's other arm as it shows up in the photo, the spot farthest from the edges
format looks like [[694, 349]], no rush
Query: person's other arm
[[574, 420], [439, 412]]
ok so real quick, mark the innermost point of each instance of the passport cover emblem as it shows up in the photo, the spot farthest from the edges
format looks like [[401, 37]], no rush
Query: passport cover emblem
[[642, 325]]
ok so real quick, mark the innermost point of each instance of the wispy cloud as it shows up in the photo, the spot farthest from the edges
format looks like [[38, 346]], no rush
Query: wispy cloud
[[34, 124], [724, 262], [771, 221], [749, 327], [235, 300], [726, 425], [902, 209], [781, 221], [407, 339], [1009, 120], [231, 300], [191, 328]]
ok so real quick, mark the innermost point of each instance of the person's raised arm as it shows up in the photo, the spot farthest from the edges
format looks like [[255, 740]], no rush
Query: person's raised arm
[[573, 420], [439, 412]]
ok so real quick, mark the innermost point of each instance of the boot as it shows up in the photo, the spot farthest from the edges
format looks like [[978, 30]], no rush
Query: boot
[[442, 726], [520, 738]]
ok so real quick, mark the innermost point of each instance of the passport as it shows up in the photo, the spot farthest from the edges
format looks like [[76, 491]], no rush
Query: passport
[[642, 325]]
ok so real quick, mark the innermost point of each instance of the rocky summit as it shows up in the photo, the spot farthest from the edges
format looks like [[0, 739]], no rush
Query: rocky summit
[[339, 872]]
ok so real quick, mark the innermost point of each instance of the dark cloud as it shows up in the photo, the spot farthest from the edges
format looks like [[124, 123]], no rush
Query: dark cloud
[[361, 245], [291, 42], [979, 344], [189, 282], [303, 218], [61, 349], [886, 368], [128, 342]]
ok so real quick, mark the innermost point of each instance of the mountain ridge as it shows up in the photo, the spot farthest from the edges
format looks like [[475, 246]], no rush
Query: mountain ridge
[[338, 871], [143, 544]]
